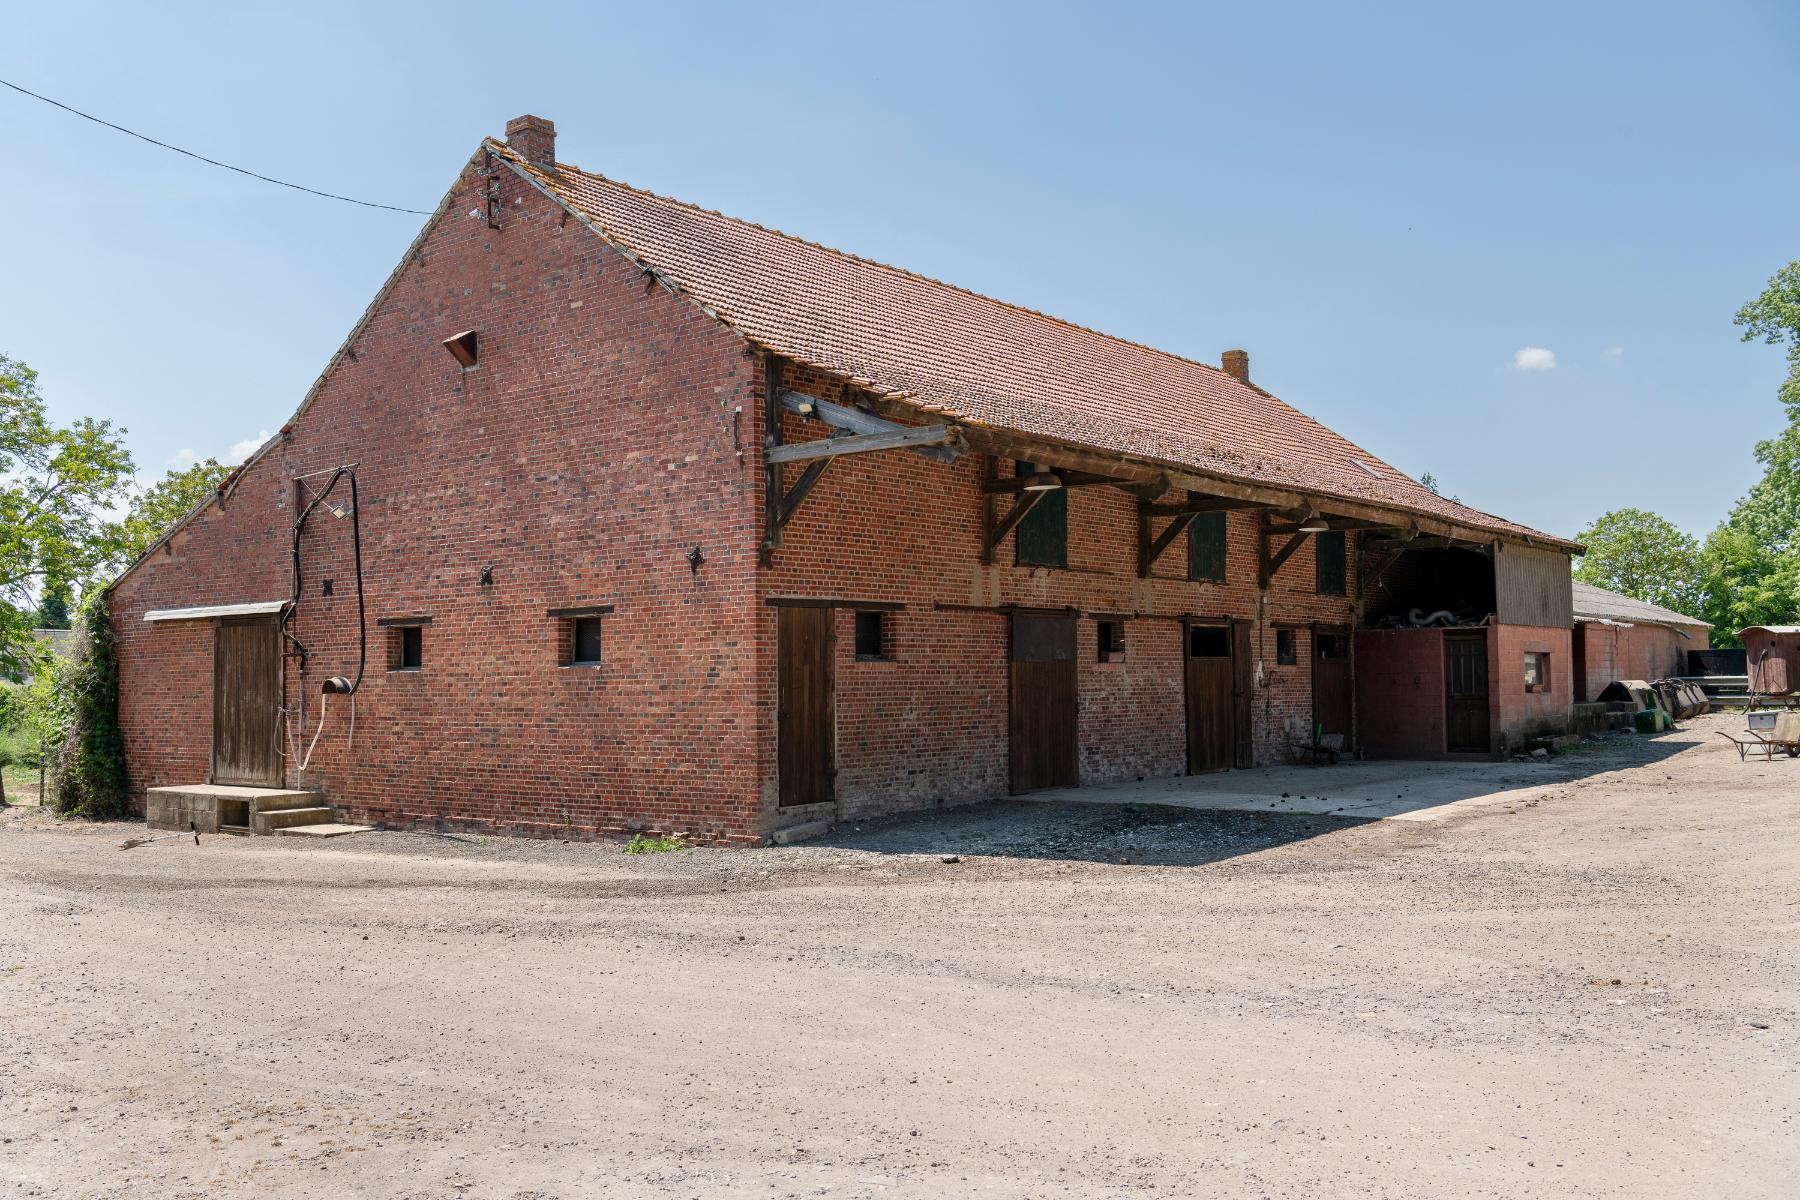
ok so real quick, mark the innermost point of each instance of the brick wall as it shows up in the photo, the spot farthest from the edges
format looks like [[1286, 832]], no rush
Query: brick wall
[[1517, 715], [1644, 652], [931, 727], [591, 447]]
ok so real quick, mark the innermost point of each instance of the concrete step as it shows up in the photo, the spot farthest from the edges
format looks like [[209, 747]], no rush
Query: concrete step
[[328, 830], [287, 818], [800, 833]]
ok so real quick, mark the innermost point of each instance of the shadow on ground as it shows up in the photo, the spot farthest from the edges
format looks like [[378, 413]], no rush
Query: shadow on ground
[[1197, 819], [1137, 834]]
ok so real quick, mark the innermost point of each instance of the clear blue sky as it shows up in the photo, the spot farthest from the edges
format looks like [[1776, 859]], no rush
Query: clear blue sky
[[1384, 204]]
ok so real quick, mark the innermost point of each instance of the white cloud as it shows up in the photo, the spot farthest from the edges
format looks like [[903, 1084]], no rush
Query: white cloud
[[1615, 353], [1534, 358], [244, 449]]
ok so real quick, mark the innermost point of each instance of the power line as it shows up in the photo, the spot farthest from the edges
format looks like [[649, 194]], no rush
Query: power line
[[215, 162]]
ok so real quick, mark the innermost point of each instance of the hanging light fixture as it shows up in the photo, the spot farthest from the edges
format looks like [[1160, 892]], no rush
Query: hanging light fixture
[[1315, 524], [1041, 480]]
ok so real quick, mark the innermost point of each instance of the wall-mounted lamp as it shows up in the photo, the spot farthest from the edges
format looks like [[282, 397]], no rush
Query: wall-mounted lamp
[[694, 559], [487, 576], [463, 348]]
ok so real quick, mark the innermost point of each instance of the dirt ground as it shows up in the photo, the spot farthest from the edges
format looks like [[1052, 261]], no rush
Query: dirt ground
[[1589, 991]]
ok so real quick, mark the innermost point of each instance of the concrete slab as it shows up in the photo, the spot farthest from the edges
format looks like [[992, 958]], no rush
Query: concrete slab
[[329, 830], [1376, 791]]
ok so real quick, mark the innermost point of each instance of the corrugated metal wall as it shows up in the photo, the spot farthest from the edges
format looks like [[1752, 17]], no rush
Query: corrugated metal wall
[[1531, 587]]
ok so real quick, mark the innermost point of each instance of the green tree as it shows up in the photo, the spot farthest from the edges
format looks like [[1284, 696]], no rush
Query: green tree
[[53, 605], [1774, 317], [1750, 564], [160, 506], [1640, 554], [56, 485]]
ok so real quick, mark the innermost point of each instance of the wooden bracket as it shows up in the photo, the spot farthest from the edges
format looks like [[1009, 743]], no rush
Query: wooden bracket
[[790, 503], [1149, 550], [1271, 563], [994, 531]]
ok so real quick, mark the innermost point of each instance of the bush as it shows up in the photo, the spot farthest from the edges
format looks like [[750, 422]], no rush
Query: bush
[[88, 763]]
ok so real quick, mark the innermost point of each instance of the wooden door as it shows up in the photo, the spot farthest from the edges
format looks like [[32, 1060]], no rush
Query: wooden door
[[804, 716], [1045, 737], [1466, 693], [1332, 704], [1243, 658], [1211, 699], [247, 702]]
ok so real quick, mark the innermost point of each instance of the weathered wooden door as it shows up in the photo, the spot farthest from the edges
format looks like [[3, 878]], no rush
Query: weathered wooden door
[[1243, 658], [1466, 693], [247, 702], [1211, 699], [1045, 738], [804, 717], [1332, 704]]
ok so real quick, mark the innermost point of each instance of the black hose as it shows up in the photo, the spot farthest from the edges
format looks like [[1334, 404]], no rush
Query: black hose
[[362, 623]]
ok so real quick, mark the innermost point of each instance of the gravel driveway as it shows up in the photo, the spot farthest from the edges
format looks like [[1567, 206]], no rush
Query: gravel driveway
[[1590, 991]]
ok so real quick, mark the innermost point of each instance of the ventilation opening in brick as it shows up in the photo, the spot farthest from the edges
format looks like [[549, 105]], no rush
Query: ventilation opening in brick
[[872, 637], [464, 348], [1110, 636]]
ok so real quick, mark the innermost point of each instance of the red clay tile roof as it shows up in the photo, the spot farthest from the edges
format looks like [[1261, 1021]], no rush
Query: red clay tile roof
[[982, 361]]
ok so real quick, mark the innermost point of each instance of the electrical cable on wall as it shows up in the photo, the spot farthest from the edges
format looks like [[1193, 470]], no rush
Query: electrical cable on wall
[[337, 684]]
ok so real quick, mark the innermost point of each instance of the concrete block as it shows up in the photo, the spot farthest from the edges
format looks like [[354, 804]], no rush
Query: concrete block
[[800, 833]]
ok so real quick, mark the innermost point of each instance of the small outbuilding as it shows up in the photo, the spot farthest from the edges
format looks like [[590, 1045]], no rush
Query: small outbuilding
[[1618, 637], [1772, 658]]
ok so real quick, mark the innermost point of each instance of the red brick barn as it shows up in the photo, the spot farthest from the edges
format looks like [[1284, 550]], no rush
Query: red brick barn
[[615, 513], [1618, 637]]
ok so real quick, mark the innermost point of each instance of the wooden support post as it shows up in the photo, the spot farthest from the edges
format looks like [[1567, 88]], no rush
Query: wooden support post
[[771, 469]]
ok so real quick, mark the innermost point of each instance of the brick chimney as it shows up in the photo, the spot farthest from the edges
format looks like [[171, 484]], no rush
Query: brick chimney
[[535, 138], [1236, 364]]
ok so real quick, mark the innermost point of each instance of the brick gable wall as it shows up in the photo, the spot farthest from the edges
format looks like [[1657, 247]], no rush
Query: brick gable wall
[[590, 449]]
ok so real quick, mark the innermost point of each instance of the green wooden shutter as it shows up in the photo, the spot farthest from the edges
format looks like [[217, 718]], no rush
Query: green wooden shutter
[[1206, 548], [1329, 548], [1043, 536]]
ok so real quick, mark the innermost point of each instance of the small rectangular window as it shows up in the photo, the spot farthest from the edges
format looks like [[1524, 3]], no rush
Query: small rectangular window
[[584, 641], [1111, 638], [1537, 671], [1206, 547], [871, 636], [1329, 555], [408, 648], [1286, 653], [1209, 641], [1330, 645]]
